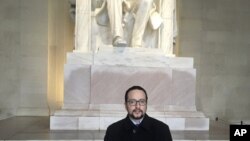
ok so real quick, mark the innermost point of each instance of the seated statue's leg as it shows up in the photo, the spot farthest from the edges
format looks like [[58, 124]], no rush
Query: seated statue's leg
[[115, 18], [141, 19]]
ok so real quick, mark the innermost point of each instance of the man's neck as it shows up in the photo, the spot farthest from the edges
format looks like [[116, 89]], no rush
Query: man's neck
[[136, 121]]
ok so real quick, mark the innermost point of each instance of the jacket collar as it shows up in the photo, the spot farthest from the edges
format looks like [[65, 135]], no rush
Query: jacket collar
[[144, 124]]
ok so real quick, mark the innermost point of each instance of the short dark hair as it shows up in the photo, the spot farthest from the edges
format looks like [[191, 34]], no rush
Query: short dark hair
[[135, 88]]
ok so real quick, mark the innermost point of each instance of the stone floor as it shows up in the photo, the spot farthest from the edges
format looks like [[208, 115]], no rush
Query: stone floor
[[37, 128]]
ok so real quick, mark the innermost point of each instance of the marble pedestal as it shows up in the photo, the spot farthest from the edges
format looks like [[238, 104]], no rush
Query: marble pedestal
[[95, 84]]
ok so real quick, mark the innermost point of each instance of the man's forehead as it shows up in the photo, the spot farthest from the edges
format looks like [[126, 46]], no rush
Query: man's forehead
[[136, 92]]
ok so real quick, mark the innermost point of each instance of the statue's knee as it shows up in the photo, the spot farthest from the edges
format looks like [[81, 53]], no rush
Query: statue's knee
[[147, 3]]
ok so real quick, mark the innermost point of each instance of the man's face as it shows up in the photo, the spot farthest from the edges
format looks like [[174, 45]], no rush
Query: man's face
[[136, 104]]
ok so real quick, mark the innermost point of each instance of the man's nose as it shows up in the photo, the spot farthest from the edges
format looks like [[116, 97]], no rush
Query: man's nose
[[137, 104]]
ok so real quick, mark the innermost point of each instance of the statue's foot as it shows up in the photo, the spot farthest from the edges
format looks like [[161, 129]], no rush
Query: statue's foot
[[136, 46], [119, 42]]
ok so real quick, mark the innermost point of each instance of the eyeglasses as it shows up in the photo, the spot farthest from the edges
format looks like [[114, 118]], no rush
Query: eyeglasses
[[133, 102]]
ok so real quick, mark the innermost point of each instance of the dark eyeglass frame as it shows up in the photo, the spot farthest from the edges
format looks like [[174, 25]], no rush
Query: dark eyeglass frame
[[133, 102]]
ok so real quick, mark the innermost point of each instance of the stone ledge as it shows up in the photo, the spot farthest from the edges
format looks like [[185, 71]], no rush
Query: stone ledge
[[136, 57], [101, 123], [115, 113]]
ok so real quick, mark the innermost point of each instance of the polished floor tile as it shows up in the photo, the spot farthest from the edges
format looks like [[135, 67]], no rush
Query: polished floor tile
[[37, 128]]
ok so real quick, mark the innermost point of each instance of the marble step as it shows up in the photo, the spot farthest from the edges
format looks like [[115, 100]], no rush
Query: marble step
[[90, 113], [99, 120]]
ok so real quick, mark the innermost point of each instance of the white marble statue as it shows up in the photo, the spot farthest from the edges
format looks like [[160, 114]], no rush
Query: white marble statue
[[139, 11], [131, 23]]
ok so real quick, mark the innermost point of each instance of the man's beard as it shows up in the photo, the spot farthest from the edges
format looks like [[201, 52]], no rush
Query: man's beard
[[134, 111]]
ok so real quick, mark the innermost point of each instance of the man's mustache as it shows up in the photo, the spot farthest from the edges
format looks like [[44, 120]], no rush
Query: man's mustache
[[135, 110]]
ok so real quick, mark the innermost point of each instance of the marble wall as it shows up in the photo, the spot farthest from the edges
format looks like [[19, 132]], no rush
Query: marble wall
[[61, 41], [32, 45], [10, 43], [216, 33], [23, 53]]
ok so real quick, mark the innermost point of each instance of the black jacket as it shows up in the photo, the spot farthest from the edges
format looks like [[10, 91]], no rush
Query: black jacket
[[150, 129]]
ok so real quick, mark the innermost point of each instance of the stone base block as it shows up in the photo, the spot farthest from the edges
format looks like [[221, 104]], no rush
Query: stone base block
[[95, 84], [100, 119], [102, 122]]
